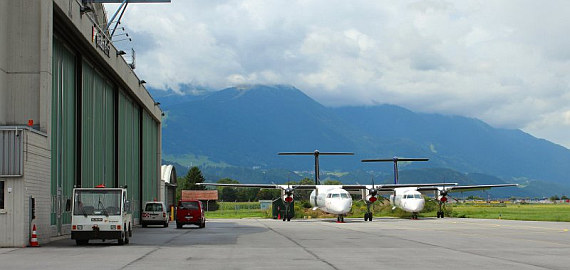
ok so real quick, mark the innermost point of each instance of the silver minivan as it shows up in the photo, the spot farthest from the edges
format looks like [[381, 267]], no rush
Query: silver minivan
[[154, 213]]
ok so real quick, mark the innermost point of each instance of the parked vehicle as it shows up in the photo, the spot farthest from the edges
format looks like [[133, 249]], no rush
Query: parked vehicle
[[154, 213], [190, 212], [100, 213]]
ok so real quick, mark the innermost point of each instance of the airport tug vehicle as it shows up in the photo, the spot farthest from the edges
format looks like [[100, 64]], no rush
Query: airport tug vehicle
[[100, 213]]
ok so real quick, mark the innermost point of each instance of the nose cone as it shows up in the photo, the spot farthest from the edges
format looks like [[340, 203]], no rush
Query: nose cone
[[415, 206], [341, 206]]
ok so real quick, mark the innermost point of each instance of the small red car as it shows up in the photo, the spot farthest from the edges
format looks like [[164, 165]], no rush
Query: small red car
[[190, 212]]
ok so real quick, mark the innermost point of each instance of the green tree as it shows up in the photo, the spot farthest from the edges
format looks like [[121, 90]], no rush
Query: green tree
[[228, 194], [303, 194], [268, 194], [189, 181]]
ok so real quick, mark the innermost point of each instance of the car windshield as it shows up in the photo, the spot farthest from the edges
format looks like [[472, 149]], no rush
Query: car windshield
[[97, 202], [189, 205], [152, 207]]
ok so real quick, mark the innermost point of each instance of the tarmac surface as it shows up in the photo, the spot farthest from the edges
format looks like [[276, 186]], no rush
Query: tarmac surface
[[385, 243]]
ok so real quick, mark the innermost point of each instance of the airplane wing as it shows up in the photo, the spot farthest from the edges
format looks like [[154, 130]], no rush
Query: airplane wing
[[391, 187], [267, 186], [463, 188]]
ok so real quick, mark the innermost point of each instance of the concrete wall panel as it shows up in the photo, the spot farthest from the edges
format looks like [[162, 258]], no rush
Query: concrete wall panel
[[37, 176]]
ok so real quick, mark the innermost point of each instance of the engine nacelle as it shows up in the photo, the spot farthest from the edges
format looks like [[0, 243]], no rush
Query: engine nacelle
[[288, 198], [371, 199]]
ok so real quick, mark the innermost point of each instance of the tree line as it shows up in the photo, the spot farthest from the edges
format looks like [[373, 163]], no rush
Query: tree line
[[231, 194]]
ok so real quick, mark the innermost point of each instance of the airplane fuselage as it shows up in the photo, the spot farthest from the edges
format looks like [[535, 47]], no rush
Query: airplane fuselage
[[407, 199], [331, 199]]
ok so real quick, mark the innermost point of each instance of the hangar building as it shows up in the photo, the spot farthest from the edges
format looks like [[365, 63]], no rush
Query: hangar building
[[72, 113]]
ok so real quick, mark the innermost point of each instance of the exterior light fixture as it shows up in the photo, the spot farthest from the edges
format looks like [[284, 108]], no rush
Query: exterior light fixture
[[85, 9]]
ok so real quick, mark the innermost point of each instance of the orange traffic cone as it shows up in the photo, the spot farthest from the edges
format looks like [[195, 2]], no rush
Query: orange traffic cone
[[34, 240]]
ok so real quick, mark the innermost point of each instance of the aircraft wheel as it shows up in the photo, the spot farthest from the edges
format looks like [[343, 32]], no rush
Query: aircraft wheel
[[365, 216], [370, 217]]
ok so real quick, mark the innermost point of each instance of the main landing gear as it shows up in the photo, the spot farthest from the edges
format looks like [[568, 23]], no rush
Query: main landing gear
[[441, 203], [368, 214], [286, 216]]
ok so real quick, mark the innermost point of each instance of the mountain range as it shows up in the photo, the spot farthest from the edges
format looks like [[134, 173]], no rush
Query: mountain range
[[246, 126]]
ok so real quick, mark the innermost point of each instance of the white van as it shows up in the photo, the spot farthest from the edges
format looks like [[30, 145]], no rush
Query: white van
[[154, 213]]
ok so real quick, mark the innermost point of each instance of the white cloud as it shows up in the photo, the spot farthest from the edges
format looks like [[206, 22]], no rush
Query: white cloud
[[505, 62]]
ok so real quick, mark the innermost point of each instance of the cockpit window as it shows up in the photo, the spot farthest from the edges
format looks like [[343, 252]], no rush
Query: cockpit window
[[336, 195], [412, 196], [344, 195]]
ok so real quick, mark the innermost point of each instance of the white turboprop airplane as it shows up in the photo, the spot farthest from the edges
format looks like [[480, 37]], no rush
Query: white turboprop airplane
[[335, 199], [331, 199], [410, 198]]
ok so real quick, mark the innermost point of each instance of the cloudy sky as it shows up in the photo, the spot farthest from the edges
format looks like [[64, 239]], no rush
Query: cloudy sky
[[504, 62]]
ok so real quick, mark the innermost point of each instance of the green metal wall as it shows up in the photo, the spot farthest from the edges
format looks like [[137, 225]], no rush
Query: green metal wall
[[150, 161], [63, 130], [129, 149], [97, 129], [99, 135]]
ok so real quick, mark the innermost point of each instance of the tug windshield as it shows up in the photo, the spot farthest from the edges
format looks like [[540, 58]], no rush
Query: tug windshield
[[97, 202]]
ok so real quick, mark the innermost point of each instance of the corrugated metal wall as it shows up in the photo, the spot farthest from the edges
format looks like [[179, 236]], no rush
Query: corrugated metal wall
[[129, 149], [150, 162], [63, 132], [101, 128], [98, 130], [11, 152]]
